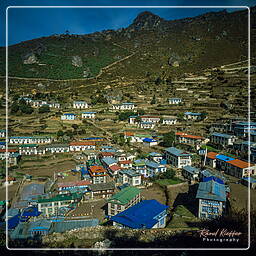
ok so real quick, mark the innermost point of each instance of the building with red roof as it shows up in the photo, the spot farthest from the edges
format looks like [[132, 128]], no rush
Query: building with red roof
[[211, 159], [98, 174], [77, 146], [240, 168], [125, 164]]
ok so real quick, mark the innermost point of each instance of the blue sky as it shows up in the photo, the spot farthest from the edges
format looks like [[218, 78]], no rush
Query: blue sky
[[28, 23]]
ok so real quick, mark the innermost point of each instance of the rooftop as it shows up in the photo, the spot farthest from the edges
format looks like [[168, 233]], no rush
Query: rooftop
[[222, 135], [211, 155], [130, 172], [141, 215], [191, 169], [240, 164], [192, 114], [62, 197], [149, 140], [102, 186], [82, 143], [108, 160], [177, 152], [124, 196], [224, 158], [211, 190]]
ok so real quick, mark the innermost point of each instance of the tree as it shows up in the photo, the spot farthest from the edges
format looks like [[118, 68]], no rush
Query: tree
[[125, 115], [180, 116], [44, 109], [158, 81], [60, 133], [153, 101], [168, 139], [169, 174], [141, 112]]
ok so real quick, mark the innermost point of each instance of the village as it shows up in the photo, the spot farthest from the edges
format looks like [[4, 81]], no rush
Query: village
[[118, 162]]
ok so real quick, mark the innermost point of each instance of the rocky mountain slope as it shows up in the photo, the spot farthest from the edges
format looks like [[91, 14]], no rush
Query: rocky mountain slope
[[150, 46]]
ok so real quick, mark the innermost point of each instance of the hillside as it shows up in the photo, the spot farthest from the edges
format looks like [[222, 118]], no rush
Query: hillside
[[149, 47]]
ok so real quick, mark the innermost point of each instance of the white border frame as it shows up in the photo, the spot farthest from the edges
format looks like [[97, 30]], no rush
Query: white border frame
[[249, 112]]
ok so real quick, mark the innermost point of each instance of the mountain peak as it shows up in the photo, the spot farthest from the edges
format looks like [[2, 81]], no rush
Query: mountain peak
[[146, 21]]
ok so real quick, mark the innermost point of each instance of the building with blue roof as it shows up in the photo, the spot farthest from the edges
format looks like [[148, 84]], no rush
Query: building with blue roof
[[222, 162], [249, 181], [212, 199], [154, 156], [145, 215], [192, 116], [148, 142], [154, 168], [108, 161], [222, 139], [216, 179], [190, 172], [242, 128], [176, 157], [68, 116]]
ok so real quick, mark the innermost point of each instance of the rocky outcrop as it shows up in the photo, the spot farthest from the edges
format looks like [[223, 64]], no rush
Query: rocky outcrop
[[77, 61], [30, 58]]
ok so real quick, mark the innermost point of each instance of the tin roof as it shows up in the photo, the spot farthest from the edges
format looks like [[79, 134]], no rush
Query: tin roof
[[240, 164], [211, 190], [124, 196], [141, 215]]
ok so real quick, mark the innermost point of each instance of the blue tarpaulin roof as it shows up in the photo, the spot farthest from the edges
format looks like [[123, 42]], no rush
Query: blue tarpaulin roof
[[149, 140], [213, 178], [141, 215], [224, 158], [30, 212], [14, 221]]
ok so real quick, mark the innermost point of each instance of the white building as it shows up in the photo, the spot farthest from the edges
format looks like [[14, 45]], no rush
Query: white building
[[81, 146], [68, 116], [89, 115], [129, 176], [192, 116], [124, 106], [148, 142], [30, 140], [152, 119], [54, 105], [222, 139], [80, 104], [58, 148], [169, 120], [38, 103], [173, 101], [2, 133], [177, 157], [147, 125]]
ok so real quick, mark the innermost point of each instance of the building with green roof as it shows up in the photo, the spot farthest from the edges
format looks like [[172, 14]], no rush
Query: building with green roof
[[122, 200], [51, 206]]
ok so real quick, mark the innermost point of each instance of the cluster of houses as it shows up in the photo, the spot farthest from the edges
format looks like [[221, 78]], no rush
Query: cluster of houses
[[40, 103], [151, 121]]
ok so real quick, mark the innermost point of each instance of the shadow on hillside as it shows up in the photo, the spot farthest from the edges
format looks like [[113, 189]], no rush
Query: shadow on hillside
[[188, 199]]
